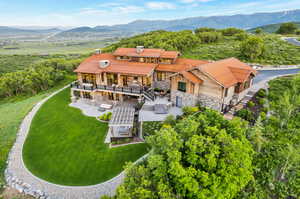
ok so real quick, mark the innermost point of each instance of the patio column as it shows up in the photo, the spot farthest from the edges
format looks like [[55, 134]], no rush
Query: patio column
[[98, 79], [105, 78], [120, 82]]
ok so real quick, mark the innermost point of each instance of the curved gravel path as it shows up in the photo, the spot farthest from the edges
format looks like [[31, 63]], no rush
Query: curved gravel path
[[292, 40], [19, 177]]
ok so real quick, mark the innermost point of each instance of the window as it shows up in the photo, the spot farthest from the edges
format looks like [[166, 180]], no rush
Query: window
[[161, 76], [182, 86], [226, 92]]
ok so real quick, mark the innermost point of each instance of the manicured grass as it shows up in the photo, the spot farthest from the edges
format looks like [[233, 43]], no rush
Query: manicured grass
[[12, 112], [66, 147]]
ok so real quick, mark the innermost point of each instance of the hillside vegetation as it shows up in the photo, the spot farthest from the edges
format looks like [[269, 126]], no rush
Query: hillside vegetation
[[211, 44], [271, 28]]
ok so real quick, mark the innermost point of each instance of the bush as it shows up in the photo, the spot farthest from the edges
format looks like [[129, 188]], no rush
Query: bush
[[252, 48], [209, 37], [231, 31], [189, 110], [250, 104], [245, 114], [261, 101], [262, 93], [170, 120], [241, 36], [149, 128], [205, 29], [106, 116], [297, 32]]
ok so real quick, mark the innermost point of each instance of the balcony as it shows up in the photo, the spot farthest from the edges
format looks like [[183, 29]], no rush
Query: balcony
[[118, 89]]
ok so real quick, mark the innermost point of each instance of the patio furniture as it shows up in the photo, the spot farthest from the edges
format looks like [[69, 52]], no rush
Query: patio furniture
[[104, 107]]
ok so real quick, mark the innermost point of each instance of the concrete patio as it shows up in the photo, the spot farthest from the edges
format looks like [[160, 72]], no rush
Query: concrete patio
[[87, 109]]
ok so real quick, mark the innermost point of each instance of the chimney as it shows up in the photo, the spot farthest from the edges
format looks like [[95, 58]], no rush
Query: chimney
[[139, 49], [98, 51]]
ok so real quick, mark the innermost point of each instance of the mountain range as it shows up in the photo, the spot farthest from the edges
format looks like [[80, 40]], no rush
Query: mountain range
[[243, 21]]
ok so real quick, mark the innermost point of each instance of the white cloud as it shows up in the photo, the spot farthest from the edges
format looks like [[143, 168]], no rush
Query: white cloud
[[160, 5], [195, 1]]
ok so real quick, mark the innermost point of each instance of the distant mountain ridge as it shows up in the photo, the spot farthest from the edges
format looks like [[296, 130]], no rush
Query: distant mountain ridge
[[139, 26], [5, 30]]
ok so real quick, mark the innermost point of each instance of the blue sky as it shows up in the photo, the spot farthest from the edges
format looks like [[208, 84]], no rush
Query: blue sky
[[100, 12]]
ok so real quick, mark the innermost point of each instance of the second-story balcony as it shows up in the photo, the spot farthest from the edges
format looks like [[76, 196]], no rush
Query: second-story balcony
[[136, 90]]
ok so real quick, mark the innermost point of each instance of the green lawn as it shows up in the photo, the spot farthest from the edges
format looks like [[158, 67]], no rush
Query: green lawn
[[66, 147], [12, 112]]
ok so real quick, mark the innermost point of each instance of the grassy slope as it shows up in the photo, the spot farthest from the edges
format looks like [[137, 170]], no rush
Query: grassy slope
[[12, 112], [279, 52], [66, 147]]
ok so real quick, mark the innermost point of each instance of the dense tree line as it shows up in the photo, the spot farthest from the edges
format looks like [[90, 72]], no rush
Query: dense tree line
[[200, 156], [37, 77], [180, 41], [276, 141]]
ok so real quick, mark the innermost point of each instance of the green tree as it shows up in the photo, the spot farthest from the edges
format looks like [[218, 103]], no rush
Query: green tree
[[252, 48], [231, 31], [202, 156], [205, 29], [287, 28], [209, 37], [258, 31]]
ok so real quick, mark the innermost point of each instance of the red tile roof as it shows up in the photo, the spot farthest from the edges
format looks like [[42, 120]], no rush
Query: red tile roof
[[228, 72], [181, 64], [91, 65], [148, 52], [191, 77]]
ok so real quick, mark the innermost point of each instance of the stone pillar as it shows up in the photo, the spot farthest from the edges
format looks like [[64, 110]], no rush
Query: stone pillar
[[73, 97]]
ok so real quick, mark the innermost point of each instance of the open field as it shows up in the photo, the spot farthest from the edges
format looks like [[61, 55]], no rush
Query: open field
[[45, 47], [66, 147]]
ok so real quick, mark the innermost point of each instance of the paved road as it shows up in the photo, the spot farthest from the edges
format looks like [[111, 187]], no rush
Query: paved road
[[267, 74], [292, 41]]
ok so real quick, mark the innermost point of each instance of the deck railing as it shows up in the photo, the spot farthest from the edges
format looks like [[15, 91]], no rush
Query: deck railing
[[133, 90]]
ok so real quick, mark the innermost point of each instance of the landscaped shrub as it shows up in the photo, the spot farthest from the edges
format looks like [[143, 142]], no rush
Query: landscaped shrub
[[262, 93], [188, 110], [106, 116], [170, 120], [149, 128], [250, 104], [261, 101], [245, 114]]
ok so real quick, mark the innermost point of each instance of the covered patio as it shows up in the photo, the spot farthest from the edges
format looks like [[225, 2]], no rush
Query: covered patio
[[122, 122]]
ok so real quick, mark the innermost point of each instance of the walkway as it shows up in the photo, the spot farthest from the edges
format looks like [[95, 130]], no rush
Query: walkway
[[17, 175], [261, 82], [292, 40]]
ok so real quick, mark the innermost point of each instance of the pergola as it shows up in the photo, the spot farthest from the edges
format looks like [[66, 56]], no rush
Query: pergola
[[122, 121]]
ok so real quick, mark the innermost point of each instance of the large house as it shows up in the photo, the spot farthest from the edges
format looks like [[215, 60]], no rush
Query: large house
[[134, 73]]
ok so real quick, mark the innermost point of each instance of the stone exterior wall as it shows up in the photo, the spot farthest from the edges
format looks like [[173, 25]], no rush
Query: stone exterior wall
[[165, 85], [192, 100], [210, 102]]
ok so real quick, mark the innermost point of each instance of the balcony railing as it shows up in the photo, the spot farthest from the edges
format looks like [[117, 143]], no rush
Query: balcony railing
[[133, 90]]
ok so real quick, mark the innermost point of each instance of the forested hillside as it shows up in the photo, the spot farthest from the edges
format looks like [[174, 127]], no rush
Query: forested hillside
[[215, 44]]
